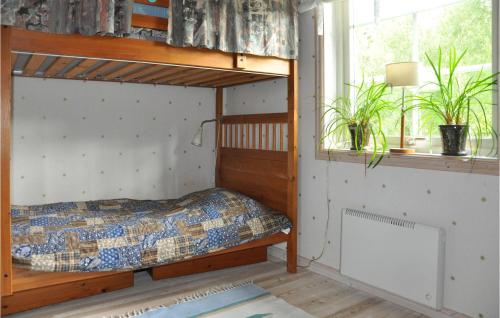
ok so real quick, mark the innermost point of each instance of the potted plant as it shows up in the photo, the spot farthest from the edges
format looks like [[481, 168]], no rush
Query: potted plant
[[455, 102], [358, 120]]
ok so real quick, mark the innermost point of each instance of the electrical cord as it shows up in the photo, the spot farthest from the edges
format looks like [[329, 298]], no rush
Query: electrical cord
[[327, 226]]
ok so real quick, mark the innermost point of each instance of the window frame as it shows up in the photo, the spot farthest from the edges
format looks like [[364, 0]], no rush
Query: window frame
[[468, 164]]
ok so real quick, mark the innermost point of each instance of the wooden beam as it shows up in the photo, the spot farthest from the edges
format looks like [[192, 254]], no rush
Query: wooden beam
[[137, 50], [5, 154], [131, 67], [149, 22], [25, 279], [145, 72], [59, 64], [80, 68], [219, 113], [256, 118], [159, 272], [291, 211], [103, 69], [48, 293], [33, 64], [210, 263]]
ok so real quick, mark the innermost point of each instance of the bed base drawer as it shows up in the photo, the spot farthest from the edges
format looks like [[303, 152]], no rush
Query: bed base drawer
[[53, 294], [210, 263]]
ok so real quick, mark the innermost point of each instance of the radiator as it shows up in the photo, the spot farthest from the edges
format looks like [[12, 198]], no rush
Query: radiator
[[399, 256]]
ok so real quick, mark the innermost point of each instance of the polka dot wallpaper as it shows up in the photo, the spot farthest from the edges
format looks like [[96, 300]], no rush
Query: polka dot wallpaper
[[464, 205], [76, 140]]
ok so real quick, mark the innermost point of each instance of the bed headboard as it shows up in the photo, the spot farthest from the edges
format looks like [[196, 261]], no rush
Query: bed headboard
[[253, 157], [257, 155]]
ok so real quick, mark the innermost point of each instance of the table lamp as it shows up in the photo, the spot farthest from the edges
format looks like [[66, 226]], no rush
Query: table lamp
[[404, 74]]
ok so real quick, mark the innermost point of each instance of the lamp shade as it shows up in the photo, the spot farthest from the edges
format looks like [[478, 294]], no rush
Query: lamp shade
[[402, 74], [198, 137]]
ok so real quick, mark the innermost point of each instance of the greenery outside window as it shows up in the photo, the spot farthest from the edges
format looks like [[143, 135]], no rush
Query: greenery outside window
[[359, 37]]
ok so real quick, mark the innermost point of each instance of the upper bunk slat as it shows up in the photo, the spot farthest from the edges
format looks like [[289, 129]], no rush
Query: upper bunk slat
[[209, 78], [82, 67], [241, 79], [196, 76], [170, 74], [150, 69], [119, 71], [102, 69], [126, 69], [34, 63], [164, 71], [134, 50], [181, 78], [59, 64], [222, 77]]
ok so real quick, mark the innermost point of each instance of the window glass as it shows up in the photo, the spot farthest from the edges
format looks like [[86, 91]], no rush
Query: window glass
[[387, 31]]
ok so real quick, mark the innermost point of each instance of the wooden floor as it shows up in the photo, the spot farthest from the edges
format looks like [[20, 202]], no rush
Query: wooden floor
[[316, 294]]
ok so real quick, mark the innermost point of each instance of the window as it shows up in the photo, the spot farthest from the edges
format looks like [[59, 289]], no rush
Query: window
[[361, 36]]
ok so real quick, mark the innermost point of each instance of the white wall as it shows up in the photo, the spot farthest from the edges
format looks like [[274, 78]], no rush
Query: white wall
[[76, 140], [465, 205]]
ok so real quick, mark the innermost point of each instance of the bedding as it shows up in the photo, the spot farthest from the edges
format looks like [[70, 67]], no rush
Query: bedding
[[127, 234]]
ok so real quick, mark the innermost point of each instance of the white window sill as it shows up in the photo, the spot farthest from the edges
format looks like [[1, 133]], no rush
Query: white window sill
[[465, 164]]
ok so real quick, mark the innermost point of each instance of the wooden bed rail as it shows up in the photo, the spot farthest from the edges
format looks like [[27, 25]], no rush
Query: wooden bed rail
[[135, 50]]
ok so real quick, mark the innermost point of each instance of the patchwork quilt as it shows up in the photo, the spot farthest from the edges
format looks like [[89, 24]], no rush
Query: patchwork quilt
[[127, 234]]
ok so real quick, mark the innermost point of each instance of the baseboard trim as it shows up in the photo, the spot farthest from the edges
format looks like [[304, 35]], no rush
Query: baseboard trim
[[276, 253]]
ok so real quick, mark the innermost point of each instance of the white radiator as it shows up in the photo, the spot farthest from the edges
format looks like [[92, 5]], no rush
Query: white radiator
[[399, 256]]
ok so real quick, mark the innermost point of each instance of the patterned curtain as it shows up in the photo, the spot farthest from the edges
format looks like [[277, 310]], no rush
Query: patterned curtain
[[260, 27], [87, 17]]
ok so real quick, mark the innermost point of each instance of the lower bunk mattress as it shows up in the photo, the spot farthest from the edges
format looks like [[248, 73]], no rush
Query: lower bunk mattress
[[127, 234]]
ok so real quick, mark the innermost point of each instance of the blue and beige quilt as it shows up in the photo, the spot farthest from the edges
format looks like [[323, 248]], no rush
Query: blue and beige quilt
[[129, 234]]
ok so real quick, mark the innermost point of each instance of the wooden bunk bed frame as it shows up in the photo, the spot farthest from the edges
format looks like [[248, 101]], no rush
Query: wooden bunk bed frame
[[265, 170]]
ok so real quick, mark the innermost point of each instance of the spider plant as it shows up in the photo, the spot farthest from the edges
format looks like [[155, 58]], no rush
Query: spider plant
[[455, 102], [359, 118]]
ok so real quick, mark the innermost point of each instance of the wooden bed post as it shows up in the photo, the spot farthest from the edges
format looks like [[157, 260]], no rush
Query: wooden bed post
[[219, 103], [5, 139], [292, 165]]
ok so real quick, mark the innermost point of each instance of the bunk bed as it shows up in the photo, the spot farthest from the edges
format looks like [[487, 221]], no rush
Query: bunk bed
[[256, 154]]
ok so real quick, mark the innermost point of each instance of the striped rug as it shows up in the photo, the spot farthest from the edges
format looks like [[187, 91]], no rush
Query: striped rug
[[242, 300]]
